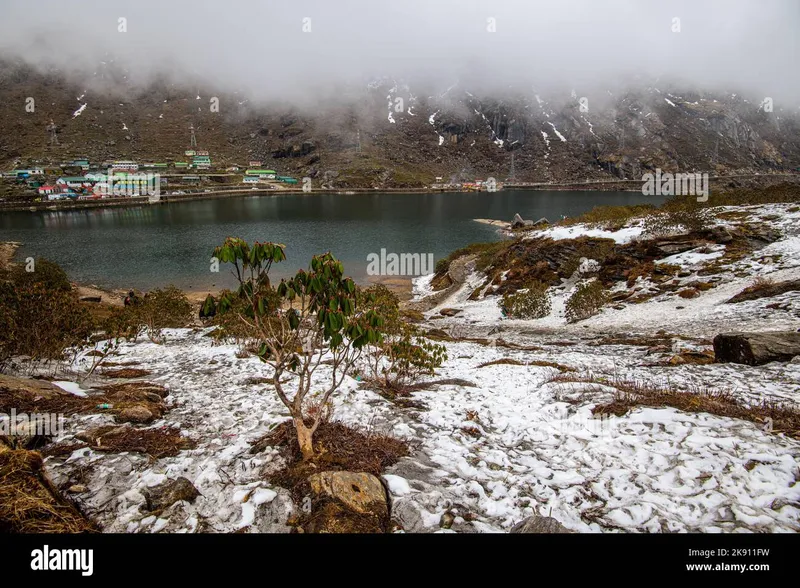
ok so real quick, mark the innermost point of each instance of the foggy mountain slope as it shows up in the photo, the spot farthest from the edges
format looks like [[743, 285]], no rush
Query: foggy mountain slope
[[407, 136], [373, 95]]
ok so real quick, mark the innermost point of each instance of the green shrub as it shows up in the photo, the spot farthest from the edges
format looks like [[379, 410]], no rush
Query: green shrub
[[486, 253], [412, 356], [39, 316], [598, 249], [45, 272], [611, 217], [403, 354], [209, 307], [442, 266], [234, 316], [587, 300], [677, 216], [159, 309], [532, 302]]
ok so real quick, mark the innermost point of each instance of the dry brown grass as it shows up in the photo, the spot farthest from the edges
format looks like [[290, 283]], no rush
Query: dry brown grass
[[400, 394], [157, 443], [536, 362], [502, 361], [765, 288], [27, 401], [30, 503], [782, 418], [634, 340], [61, 449], [125, 373]]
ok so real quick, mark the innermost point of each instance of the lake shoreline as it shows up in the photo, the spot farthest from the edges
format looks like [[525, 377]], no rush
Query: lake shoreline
[[400, 285], [579, 186], [150, 247], [58, 206]]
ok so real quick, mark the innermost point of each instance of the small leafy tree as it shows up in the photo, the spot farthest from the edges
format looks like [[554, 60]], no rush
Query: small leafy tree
[[403, 354], [319, 320], [209, 307]]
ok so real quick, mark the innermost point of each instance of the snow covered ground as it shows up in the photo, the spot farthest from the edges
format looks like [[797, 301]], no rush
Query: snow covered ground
[[517, 442]]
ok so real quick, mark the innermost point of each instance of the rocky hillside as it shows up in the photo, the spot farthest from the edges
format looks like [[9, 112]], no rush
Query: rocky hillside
[[395, 135]]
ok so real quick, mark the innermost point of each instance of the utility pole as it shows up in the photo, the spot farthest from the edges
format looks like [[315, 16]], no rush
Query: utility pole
[[51, 128], [194, 138]]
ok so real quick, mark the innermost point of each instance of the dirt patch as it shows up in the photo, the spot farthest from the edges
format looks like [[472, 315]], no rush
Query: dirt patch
[[111, 298], [159, 442], [34, 396], [30, 503], [689, 358]]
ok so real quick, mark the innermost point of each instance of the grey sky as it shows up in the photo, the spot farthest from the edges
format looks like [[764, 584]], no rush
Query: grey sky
[[259, 45]]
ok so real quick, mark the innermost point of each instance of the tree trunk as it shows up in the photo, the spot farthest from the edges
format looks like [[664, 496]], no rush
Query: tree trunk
[[304, 438]]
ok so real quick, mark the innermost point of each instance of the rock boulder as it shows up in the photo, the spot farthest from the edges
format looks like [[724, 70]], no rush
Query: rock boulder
[[756, 348]]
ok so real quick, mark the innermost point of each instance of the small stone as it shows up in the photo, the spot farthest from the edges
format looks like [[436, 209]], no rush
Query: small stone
[[135, 414], [447, 520], [77, 489], [539, 524], [166, 494]]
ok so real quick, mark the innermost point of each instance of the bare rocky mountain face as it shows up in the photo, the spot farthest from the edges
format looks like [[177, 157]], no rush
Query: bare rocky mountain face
[[389, 134]]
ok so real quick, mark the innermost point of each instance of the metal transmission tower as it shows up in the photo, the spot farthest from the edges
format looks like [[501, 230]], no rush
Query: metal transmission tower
[[193, 142], [716, 154], [358, 139], [512, 176], [51, 128]]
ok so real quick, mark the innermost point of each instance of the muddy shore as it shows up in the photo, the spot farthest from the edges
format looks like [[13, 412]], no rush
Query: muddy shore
[[401, 286]]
